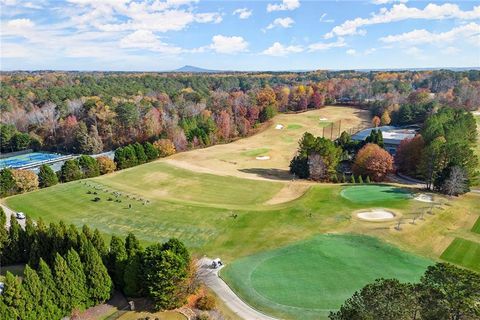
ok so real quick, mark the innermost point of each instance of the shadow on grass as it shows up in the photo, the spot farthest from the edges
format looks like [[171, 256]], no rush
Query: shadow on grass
[[274, 174]]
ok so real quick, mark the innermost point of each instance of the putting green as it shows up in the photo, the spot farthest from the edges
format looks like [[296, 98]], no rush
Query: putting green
[[374, 193], [308, 279]]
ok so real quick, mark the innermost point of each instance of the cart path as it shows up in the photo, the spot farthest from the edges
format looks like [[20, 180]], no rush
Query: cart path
[[11, 215], [210, 277]]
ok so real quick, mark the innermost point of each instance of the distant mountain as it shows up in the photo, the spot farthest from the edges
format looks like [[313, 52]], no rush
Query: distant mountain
[[194, 69]]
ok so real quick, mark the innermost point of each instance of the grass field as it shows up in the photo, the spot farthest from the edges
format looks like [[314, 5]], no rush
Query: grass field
[[203, 198], [308, 279], [375, 193], [463, 252], [476, 226]]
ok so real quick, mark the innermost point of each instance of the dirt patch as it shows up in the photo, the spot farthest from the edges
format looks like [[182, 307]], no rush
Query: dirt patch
[[289, 192]]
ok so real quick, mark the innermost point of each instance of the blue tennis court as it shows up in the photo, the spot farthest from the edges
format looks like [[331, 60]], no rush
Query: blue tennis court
[[28, 159]]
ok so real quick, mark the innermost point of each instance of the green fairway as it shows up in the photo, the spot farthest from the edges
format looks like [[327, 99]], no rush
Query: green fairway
[[308, 279], [375, 193], [256, 152], [463, 252], [476, 226], [294, 126]]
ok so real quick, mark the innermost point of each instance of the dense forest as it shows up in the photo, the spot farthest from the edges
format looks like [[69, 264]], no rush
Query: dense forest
[[93, 112]]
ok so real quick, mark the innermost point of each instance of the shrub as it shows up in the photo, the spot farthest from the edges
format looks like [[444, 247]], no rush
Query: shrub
[[352, 179], [368, 179], [206, 302], [360, 179]]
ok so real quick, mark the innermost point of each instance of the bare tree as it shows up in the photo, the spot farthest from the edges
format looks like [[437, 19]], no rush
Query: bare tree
[[456, 183]]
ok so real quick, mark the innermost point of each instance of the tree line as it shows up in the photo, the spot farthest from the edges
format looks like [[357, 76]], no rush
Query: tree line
[[19, 181], [444, 292], [87, 113], [442, 154], [321, 159], [68, 270]]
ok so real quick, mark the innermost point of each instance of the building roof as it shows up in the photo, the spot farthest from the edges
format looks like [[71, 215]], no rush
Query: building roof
[[391, 135]]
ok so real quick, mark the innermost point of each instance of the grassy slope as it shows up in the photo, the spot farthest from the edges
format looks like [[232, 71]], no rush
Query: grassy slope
[[318, 275], [476, 226]]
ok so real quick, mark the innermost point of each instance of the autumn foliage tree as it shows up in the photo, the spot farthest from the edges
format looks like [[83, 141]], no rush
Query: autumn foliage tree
[[409, 155], [165, 147], [106, 165], [373, 161], [25, 180], [376, 121]]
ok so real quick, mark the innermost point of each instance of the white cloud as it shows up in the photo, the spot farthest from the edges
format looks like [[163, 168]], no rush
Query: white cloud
[[279, 50], [243, 13], [388, 1], [451, 51], [208, 17], [401, 12], [20, 23], [369, 51], [228, 45], [146, 39], [319, 46], [415, 52], [322, 19], [284, 6], [469, 32], [281, 22], [13, 50], [351, 52]]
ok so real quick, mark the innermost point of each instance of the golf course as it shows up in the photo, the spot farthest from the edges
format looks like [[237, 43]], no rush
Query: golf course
[[293, 249]]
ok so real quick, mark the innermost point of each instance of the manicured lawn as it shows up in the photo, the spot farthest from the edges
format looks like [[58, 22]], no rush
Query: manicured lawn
[[256, 152], [374, 193], [476, 226], [463, 252], [306, 280]]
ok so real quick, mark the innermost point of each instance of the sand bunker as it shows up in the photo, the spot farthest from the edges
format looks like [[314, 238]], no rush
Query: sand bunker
[[376, 215], [424, 197], [279, 127], [263, 158], [323, 119]]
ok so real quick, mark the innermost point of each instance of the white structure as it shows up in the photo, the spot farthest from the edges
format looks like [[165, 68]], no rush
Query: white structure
[[392, 136]]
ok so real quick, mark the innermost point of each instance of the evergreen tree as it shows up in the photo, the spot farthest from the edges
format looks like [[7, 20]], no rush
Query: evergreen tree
[[140, 153], [13, 296], [50, 292], [57, 240], [99, 283], [117, 260], [70, 171], [99, 244], [119, 158], [3, 232], [360, 179], [33, 293], [132, 277], [344, 178], [15, 249], [177, 247], [70, 295], [29, 238], [89, 166], [368, 179], [71, 237], [130, 156], [163, 271], [7, 183], [46, 176], [150, 151], [87, 232], [352, 179], [132, 245], [75, 265]]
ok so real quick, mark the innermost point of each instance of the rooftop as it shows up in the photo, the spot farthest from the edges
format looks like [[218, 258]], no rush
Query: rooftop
[[391, 134]]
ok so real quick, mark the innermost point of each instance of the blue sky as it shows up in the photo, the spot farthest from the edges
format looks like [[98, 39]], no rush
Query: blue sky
[[156, 35]]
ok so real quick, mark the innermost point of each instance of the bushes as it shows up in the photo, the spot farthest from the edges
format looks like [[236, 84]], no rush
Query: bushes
[[206, 302], [70, 171], [25, 180]]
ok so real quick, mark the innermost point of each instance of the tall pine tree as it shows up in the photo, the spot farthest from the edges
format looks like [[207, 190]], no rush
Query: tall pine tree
[[99, 283], [80, 282], [50, 292]]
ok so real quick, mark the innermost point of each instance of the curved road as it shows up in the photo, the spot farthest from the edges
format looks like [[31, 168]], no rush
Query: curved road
[[210, 277]]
